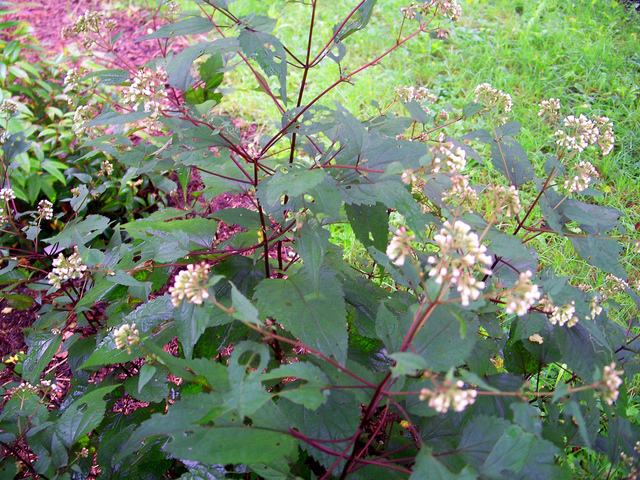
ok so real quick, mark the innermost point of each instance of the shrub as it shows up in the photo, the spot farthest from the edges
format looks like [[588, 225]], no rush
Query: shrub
[[269, 356]]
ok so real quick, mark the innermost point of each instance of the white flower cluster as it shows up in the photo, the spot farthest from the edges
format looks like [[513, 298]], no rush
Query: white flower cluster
[[106, 168], [446, 160], [582, 132], [66, 268], [594, 308], [449, 396], [406, 94], [550, 111], [126, 336], [523, 295], [72, 81], [3, 216], [460, 192], [7, 194], [606, 140], [408, 177], [86, 26], [581, 181], [493, 98], [503, 201], [147, 87], [400, 246], [8, 106], [610, 383], [560, 315], [461, 252], [83, 114], [45, 209], [190, 284]]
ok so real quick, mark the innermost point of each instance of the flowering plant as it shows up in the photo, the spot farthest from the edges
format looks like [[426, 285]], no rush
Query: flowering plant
[[263, 352]]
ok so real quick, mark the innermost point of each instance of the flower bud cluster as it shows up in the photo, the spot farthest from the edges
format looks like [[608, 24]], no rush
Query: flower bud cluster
[[581, 181], [7, 194], [406, 94], [449, 396], [83, 114], [45, 209], [560, 315], [8, 106], [582, 132], [126, 336], [503, 201], [190, 284], [147, 87], [460, 192], [447, 8], [462, 253], [610, 383], [550, 111], [87, 27], [400, 246], [66, 268], [523, 295], [73, 81], [106, 168], [594, 308], [446, 160], [494, 99]]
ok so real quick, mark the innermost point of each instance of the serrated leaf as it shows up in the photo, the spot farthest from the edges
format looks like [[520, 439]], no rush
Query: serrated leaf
[[267, 50], [189, 26], [110, 77], [155, 389], [312, 246], [235, 444], [82, 416], [357, 21], [470, 109], [311, 393], [244, 310], [370, 224], [292, 180], [593, 219], [14, 145], [42, 347], [511, 160], [427, 466], [602, 252], [109, 117], [243, 217], [316, 316], [18, 300], [388, 329], [192, 320], [417, 112]]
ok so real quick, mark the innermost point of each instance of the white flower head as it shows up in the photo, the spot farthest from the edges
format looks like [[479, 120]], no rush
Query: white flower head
[[610, 383], [7, 194], [494, 99], [191, 284], [400, 246], [126, 336], [449, 395], [523, 295]]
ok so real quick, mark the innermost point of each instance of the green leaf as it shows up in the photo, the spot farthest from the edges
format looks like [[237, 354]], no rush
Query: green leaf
[[110, 77], [388, 329], [243, 308], [18, 300], [312, 247], [407, 363], [311, 392], [192, 320], [243, 217], [155, 389], [510, 159], [427, 466], [42, 347], [470, 109], [441, 341], [356, 22], [14, 145], [293, 180], [232, 444], [370, 224], [267, 50], [189, 26], [417, 112], [593, 219], [602, 252], [82, 416], [109, 117], [335, 421], [317, 316]]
